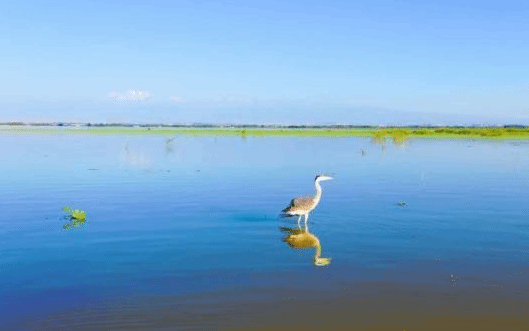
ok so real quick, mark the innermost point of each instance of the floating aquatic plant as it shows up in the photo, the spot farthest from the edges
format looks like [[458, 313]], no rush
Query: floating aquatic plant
[[77, 218], [75, 213]]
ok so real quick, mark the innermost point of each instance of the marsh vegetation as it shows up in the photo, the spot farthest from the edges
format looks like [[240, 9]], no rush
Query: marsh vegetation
[[398, 134]]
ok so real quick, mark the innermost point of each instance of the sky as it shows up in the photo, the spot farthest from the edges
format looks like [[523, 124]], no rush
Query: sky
[[283, 62]]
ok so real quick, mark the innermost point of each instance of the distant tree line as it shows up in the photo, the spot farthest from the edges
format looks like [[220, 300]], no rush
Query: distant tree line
[[263, 126]]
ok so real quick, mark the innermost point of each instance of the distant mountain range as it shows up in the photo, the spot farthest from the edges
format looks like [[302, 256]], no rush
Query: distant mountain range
[[297, 115], [344, 115]]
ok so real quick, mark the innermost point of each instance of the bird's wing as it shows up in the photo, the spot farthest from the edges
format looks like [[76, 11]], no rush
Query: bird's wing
[[301, 203]]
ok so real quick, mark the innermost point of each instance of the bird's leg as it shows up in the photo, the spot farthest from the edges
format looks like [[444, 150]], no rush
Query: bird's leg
[[306, 220], [299, 222]]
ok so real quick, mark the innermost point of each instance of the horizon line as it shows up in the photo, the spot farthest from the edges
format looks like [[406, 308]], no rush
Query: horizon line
[[253, 125]]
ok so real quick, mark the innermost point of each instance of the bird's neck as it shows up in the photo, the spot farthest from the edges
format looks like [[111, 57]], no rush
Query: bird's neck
[[317, 253], [318, 191]]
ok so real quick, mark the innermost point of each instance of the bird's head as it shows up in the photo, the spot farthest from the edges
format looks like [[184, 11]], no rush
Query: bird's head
[[323, 177], [322, 261]]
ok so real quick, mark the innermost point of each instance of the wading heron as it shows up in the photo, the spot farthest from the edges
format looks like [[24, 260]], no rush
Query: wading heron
[[302, 206]]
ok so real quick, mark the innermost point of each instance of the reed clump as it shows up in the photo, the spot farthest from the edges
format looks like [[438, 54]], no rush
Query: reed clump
[[398, 135], [421, 132], [491, 132]]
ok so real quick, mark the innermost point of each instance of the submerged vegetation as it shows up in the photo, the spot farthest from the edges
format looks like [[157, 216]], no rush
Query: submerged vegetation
[[77, 218], [398, 134], [402, 203]]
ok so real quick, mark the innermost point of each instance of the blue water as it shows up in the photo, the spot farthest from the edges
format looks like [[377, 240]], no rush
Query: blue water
[[200, 215]]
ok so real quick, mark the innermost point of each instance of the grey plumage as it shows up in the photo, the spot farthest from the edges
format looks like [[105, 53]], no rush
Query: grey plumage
[[300, 204]]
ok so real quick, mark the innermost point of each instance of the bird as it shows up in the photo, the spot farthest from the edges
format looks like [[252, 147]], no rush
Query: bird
[[298, 238], [302, 206]]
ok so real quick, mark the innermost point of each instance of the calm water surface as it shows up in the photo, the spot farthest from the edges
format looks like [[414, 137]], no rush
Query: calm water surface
[[178, 227]]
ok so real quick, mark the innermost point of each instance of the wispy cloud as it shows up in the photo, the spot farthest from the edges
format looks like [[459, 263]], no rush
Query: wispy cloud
[[175, 99], [130, 96]]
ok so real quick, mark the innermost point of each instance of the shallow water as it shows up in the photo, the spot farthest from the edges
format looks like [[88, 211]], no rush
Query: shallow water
[[192, 222]]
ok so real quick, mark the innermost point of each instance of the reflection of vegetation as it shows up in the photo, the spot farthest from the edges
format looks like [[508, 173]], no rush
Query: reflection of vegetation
[[77, 218], [74, 223], [135, 159], [244, 136], [300, 239], [379, 137], [169, 145]]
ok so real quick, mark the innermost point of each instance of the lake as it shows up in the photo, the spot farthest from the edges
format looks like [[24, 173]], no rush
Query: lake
[[184, 233]]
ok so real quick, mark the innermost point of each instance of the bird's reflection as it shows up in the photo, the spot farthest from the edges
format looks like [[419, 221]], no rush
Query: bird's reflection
[[301, 238]]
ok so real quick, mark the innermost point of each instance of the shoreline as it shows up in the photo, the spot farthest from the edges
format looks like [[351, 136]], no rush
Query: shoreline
[[396, 133]]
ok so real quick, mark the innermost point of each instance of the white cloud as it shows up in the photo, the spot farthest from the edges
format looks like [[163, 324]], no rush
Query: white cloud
[[130, 96], [175, 99]]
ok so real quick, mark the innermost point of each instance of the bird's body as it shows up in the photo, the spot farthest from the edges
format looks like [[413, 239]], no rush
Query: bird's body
[[302, 206]]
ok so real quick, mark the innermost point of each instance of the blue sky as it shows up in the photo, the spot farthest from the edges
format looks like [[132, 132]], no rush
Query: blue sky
[[265, 62]]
